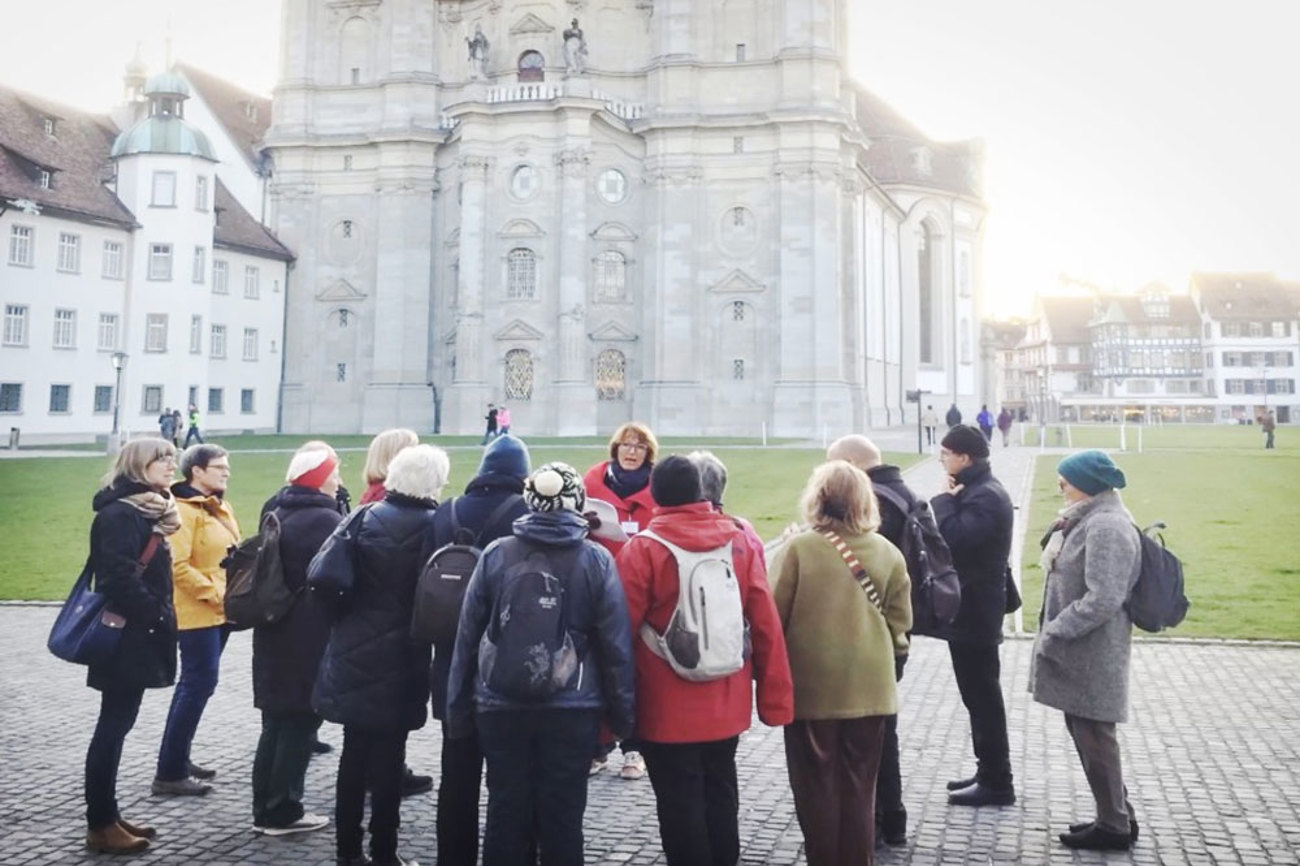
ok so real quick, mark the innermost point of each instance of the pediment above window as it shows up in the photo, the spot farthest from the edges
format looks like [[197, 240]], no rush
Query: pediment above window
[[521, 228], [612, 332], [614, 232], [518, 330], [340, 290], [737, 281], [530, 23]]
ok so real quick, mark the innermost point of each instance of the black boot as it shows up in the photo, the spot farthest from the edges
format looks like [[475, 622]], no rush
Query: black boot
[[1094, 838], [891, 826]]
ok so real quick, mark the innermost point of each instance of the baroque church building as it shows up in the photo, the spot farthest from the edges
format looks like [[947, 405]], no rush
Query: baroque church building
[[597, 210]]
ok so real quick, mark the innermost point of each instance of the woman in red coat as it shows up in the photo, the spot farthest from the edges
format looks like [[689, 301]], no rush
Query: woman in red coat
[[624, 482]]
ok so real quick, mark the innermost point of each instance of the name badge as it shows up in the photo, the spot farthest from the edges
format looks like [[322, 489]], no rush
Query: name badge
[[630, 527]]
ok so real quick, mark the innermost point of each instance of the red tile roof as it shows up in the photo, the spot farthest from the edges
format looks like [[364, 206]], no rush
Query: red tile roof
[[76, 156], [894, 142], [238, 230], [246, 116]]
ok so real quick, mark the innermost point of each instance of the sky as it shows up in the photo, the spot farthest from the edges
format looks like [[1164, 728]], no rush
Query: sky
[[1127, 140]]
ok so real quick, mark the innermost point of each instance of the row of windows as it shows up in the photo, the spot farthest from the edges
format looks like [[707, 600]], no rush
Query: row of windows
[[22, 240], [1253, 359], [155, 340], [1252, 329], [151, 399], [609, 275], [1259, 386], [163, 190]]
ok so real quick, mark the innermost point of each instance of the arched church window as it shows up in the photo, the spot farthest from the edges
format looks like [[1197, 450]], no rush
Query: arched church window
[[521, 275], [737, 311], [738, 369], [611, 276], [343, 318], [532, 66], [611, 375], [519, 375], [925, 296]]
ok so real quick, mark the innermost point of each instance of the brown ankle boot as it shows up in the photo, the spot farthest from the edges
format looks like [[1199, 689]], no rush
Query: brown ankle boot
[[113, 839], [144, 831]]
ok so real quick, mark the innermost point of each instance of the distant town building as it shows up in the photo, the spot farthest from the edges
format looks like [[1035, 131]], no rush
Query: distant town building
[[134, 237], [685, 213], [1225, 351]]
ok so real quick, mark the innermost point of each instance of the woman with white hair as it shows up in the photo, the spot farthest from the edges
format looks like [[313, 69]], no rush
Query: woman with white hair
[[374, 678]]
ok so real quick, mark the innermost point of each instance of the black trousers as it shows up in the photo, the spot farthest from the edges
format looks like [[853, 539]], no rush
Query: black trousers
[[117, 712], [373, 760], [889, 781], [537, 764], [697, 798], [977, 669], [458, 793], [280, 766]]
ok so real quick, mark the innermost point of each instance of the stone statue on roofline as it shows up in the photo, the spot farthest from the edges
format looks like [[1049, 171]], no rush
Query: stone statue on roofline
[[478, 54], [575, 50]]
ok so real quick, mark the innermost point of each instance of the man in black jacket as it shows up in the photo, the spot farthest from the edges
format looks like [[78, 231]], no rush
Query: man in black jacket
[[891, 814], [975, 517], [492, 501]]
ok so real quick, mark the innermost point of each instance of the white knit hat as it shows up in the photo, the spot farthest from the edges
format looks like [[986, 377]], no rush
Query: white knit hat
[[311, 468]]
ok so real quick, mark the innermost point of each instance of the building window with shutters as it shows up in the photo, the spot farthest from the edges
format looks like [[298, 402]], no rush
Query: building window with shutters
[[611, 375], [519, 375], [246, 401]]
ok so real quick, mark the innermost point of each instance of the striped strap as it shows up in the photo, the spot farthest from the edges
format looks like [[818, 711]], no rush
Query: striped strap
[[859, 573]]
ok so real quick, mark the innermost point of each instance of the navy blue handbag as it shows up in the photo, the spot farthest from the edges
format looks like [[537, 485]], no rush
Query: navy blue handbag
[[86, 632]]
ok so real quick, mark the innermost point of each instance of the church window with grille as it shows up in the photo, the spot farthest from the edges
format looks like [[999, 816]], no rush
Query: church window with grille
[[521, 275], [343, 318], [611, 276], [738, 216], [737, 311], [738, 369], [519, 375], [611, 375]]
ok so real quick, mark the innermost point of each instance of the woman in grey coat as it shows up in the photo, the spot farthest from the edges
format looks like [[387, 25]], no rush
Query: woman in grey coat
[[1091, 557]]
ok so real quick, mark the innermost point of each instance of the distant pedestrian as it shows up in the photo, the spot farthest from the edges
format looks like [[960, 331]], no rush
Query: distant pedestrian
[[953, 418], [383, 448], [177, 425], [1080, 664], [985, 421], [930, 421], [1269, 423], [167, 425], [134, 515], [1004, 426], [503, 421], [975, 517], [193, 432], [490, 431]]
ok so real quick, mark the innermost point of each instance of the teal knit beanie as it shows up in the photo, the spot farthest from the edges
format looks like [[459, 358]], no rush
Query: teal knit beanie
[[1091, 472]]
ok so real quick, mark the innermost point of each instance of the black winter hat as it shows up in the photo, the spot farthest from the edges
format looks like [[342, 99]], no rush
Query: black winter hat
[[965, 439], [675, 480]]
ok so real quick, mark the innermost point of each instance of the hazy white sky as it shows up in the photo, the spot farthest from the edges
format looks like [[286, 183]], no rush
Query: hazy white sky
[[1127, 140]]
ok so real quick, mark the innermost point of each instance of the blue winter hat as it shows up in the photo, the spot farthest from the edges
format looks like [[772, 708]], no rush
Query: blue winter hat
[[1091, 472], [507, 455]]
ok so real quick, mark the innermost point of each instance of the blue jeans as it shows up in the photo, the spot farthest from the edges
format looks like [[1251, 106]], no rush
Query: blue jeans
[[200, 657], [117, 712]]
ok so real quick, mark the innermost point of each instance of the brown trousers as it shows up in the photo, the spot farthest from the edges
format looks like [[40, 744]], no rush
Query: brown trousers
[[1098, 749], [833, 765]]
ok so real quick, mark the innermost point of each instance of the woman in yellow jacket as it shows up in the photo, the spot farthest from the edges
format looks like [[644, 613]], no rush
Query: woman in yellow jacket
[[208, 529]]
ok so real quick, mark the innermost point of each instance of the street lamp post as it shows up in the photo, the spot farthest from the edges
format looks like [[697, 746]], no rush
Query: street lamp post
[[119, 361]]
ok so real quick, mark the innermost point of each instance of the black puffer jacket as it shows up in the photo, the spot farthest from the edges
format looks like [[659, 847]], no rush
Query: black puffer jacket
[[373, 676], [146, 657], [977, 524], [483, 497], [891, 519], [287, 654]]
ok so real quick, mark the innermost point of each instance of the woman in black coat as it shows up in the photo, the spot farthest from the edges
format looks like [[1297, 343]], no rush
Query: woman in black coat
[[134, 507], [287, 654], [373, 679]]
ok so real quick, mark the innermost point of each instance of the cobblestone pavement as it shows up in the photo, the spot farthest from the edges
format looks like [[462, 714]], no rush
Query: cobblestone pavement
[[1212, 759]]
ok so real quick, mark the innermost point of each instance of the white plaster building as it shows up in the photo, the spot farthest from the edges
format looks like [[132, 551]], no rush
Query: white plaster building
[[122, 237], [677, 211]]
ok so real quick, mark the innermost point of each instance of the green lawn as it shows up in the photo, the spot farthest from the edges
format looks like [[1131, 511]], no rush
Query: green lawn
[[1160, 437], [46, 514], [1232, 517]]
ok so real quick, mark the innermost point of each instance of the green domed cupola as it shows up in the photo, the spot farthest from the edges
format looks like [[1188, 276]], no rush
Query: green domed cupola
[[165, 130]]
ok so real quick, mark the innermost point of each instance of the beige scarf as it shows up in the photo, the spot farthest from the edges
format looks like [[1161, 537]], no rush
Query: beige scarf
[[1054, 544], [159, 508]]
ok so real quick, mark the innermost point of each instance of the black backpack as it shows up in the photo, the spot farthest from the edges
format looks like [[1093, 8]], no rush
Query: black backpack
[[256, 593], [526, 653], [1157, 601], [936, 591], [440, 590]]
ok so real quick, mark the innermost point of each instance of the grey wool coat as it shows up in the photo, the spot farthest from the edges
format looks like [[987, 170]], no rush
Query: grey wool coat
[[1081, 654]]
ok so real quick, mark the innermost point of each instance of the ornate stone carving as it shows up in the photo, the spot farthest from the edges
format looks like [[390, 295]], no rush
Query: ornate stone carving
[[478, 54], [475, 166], [575, 50], [574, 162], [685, 175]]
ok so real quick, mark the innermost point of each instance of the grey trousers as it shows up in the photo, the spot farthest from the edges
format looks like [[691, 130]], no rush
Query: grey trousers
[[1098, 750]]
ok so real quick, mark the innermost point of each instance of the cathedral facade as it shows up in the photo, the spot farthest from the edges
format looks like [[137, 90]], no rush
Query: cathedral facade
[[597, 210]]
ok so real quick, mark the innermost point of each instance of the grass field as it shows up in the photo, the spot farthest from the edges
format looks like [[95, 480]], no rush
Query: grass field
[[1159, 437], [1232, 517], [45, 511]]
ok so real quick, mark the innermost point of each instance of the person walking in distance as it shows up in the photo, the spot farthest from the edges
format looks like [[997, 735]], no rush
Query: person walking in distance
[[134, 515], [975, 517], [1004, 426], [193, 432], [985, 420], [953, 418], [861, 452], [930, 421], [1080, 666], [503, 421], [1269, 424], [490, 433], [167, 424], [208, 530]]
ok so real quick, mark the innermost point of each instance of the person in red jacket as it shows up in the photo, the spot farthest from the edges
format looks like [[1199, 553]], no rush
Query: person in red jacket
[[688, 731], [624, 479]]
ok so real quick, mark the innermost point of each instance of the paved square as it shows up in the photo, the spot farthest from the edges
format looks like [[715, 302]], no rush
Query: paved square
[[1212, 758]]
